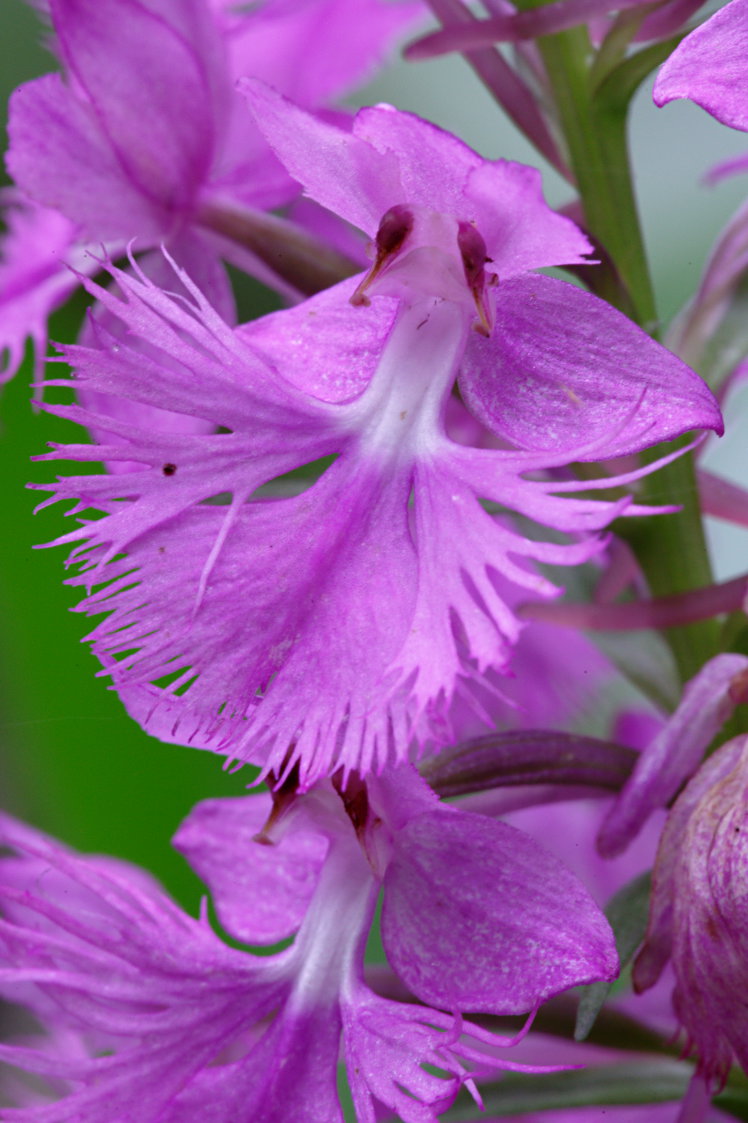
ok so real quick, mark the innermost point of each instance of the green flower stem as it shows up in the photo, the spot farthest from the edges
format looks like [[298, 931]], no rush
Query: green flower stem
[[671, 549], [594, 127]]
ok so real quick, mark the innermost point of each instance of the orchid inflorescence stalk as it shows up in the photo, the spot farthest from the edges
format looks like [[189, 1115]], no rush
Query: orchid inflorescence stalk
[[328, 545]]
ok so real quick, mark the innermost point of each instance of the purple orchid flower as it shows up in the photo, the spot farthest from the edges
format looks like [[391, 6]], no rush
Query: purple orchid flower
[[698, 915], [178, 1024], [709, 67], [143, 136], [337, 624]]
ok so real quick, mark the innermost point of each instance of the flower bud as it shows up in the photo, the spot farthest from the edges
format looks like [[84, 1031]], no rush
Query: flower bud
[[699, 912]]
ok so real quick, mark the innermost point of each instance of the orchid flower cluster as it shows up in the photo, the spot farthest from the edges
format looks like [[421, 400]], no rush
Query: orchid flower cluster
[[328, 546]]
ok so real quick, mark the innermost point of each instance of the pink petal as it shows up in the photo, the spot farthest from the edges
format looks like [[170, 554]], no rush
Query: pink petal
[[33, 278], [520, 230], [326, 347], [109, 955], [269, 618], [675, 752], [290, 1073], [478, 917], [349, 44], [391, 158], [339, 170], [191, 252], [709, 67], [261, 892], [562, 367], [153, 96], [657, 947], [57, 155]]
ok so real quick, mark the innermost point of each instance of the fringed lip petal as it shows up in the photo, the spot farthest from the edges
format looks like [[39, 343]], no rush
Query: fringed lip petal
[[225, 583], [290, 1072], [117, 960], [285, 573], [387, 1045], [33, 277], [168, 1024]]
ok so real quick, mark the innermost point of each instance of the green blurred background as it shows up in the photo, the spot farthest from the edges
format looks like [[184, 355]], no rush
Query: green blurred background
[[72, 762]]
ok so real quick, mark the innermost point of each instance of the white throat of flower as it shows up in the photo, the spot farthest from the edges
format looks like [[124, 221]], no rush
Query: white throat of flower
[[331, 939], [435, 265], [398, 417]]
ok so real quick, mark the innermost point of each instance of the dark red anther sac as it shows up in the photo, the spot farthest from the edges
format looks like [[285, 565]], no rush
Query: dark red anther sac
[[355, 799], [473, 251], [283, 796], [394, 228], [474, 258]]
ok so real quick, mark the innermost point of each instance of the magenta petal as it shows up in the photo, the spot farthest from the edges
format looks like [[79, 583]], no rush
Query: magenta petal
[[103, 952], [290, 1074], [280, 612], [337, 169], [391, 158], [386, 1047], [58, 157], [153, 95], [33, 278], [195, 255], [260, 892], [709, 67], [504, 199], [243, 601], [463, 619], [349, 43], [325, 346], [563, 368], [478, 917], [698, 911], [320, 618], [520, 230], [675, 752]]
